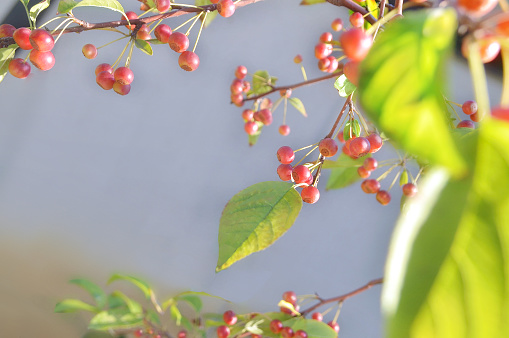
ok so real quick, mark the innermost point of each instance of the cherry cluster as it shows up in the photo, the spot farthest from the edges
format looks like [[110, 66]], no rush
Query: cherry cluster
[[38, 41], [469, 108]]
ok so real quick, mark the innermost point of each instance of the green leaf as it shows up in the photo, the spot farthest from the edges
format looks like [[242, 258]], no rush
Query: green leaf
[[344, 171], [142, 285], [115, 319], [262, 82], [311, 2], [95, 291], [144, 46], [344, 86], [114, 301], [133, 306], [298, 105], [403, 178], [65, 6], [6, 55], [254, 219], [73, 305], [314, 328], [24, 2], [447, 267], [210, 16], [354, 126], [192, 300], [401, 85], [37, 9], [175, 314]]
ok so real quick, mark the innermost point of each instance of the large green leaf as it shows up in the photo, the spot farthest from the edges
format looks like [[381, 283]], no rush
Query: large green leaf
[[401, 85], [142, 285], [344, 171], [95, 291], [73, 305], [254, 218], [115, 319], [447, 273], [65, 6], [6, 55]]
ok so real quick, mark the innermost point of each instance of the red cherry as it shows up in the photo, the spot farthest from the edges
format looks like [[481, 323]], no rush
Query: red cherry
[[237, 99], [363, 172], [337, 24], [6, 30], [297, 59], [41, 40], [182, 334], [131, 16], [42, 60], [162, 5], [240, 72], [370, 186], [500, 113], [105, 79], [383, 197], [264, 116], [300, 334], [284, 129], [376, 142], [409, 189], [247, 115], [162, 33], [138, 333], [22, 38], [178, 42], [123, 75], [317, 316], [89, 51], [356, 44], [189, 61], [476, 117], [276, 326], [356, 19], [121, 89], [370, 163], [466, 124], [334, 325], [251, 127], [19, 68], [322, 50], [103, 67], [359, 146], [300, 174], [469, 107], [488, 46], [326, 37], [229, 317], [323, 64], [341, 137], [477, 8], [223, 331], [310, 194], [290, 296], [284, 172], [351, 71], [333, 64], [285, 155], [287, 332], [328, 147], [225, 8]]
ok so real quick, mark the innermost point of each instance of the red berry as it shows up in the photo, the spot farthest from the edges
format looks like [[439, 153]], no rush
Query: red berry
[[326, 37], [189, 61], [285, 155], [178, 42], [477, 8], [123, 75], [22, 38], [502, 27], [488, 47], [225, 8], [237, 86], [333, 64], [6, 30], [328, 147], [131, 16], [363, 172], [476, 117], [143, 35], [284, 172], [322, 50], [229, 317], [300, 334], [500, 113], [376, 142], [301, 174], [323, 64], [41, 40], [103, 67], [247, 115], [351, 71], [337, 24], [357, 20], [223, 331], [89, 51], [370, 164], [19, 68], [240, 72], [162, 33], [290, 296], [105, 79], [42, 60], [276, 326], [409, 189], [317, 316], [370, 186], [138, 333], [356, 44], [310, 194], [266, 103], [121, 89], [284, 129], [469, 107], [237, 99], [297, 59], [383, 197], [162, 5], [287, 332], [285, 92], [359, 146], [341, 137], [334, 325], [264, 116], [182, 334], [466, 124], [251, 127], [246, 86]]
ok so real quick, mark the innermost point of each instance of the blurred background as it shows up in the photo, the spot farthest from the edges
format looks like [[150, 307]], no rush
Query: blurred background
[[92, 183]]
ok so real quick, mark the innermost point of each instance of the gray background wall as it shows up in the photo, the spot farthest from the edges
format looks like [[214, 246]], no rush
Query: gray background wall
[[92, 183]]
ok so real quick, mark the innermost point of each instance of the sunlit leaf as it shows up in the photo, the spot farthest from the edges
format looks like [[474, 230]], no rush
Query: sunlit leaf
[[175, 314], [353, 127], [132, 305], [192, 300], [262, 82], [37, 9], [73, 305], [298, 105], [95, 291], [6, 55], [144, 46], [254, 219], [65, 6], [401, 85], [120, 318], [344, 171], [142, 285], [344, 86]]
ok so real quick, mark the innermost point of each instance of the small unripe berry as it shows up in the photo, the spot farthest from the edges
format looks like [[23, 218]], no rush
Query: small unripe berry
[[310, 194], [89, 51], [285, 155], [225, 8], [162, 33], [19, 68], [189, 61], [383, 197], [328, 147]]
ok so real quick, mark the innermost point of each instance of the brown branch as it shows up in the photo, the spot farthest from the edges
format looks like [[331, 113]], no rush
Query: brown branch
[[354, 7], [297, 85], [342, 297]]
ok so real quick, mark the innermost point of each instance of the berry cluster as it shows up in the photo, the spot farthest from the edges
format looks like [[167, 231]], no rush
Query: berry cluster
[[469, 108], [239, 86], [38, 41]]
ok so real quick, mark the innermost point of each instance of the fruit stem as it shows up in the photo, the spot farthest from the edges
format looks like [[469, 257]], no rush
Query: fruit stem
[[348, 102], [454, 110], [309, 152], [129, 56], [109, 43], [59, 25], [185, 23], [192, 25], [63, 30], [284, 111], [394, 180], [276, 104], [201, 29], [121, 54], [387, 172], [50, 21], [303, 73], [363, 121], [155, 26], [336, 316], [306, 147]]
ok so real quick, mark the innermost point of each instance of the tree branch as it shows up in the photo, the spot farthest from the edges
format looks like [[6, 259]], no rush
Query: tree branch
[[354, 7]]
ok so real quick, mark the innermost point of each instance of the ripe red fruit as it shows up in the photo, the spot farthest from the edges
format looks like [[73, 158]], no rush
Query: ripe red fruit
[[284, 129], [223, 331], [162, 5], [131, 16], [334, 325], [326, 37], [237, 86], [476, 117], [466, 124], [300, 334], [351, 71], [237, 99], [143, 35], [337, 24], [138, 333], [356, 44], [240, 72], [333, 64], [469, 107], [502, 27], [376, 142], [322, 50], [225, 8], [310, 194], [42, 60], [284, 172], [359, 146], [500, 113], [19, 68], [6, 30], [162, 33], [409, 189], [103, 67], [328, 147], [477, 8], [266, 103], [123, 75], [488, 46], [22, 38], [383, 197], [323, 64], [287, 332], [297, 59], [370, 186], [341, 137], [246, 85], [370, 163], [301, 174], [178, 42], [189, 61], [121, 89], [285, 92], [105, 79], [264, 116], [89, 51], [290, 296], [357, 20], [229, 317], [182, 334], [247, 115], [285, 155], [363, 172], [41, 40], [317, 316], [251, 127], [276, 326]]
